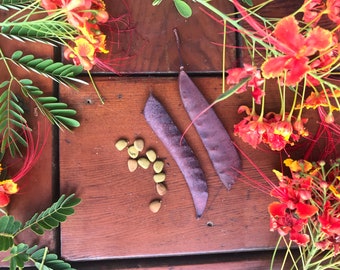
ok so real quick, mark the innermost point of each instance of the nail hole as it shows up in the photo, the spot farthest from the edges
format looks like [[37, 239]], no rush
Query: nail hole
[[89, 101], [210, 224]]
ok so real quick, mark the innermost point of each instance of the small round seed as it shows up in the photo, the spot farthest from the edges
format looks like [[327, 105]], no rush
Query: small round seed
[[155, 205], [139, 144], [144, 162], [159, 177], [151, 155], [161, 189], [121, 144], [132, 151], [132, 165], [158, 166]]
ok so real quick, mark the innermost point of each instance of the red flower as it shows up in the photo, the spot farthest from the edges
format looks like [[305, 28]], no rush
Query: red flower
[[235, 75], [293, 66], [7, 187], [312, 11], [250, 129], [333, 10]]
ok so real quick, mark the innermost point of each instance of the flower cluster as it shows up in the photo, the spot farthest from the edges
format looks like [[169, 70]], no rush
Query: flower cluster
[[85, 16], [7, 187], [309, 205], [301, 56]]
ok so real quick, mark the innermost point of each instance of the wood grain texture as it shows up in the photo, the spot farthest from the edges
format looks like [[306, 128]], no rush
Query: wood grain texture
[[151, 48], [114, 220]]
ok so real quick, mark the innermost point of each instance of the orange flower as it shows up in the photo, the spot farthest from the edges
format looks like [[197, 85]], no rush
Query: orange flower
[[292, 67], [7, 187]]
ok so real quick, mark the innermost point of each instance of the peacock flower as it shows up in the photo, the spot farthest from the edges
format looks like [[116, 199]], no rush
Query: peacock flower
[[292, 67]]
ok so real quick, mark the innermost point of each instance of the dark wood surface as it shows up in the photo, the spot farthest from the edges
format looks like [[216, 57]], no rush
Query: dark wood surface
[[113, 227]]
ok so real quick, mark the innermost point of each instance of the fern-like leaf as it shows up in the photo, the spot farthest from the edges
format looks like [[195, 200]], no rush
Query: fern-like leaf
[[49, 261], [57, 112], [22, 253], [48, 31], [57, 71], [8, 228], [10, 119], [14, 4], [51, 217]]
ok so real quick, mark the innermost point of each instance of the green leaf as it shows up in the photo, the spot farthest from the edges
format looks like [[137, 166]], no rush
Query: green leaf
[[156, 2], [16, 55], [183, 8], [26, 81], [68, 121], [8, 228], [4, 83], [52, 216], [232, 90], [248, 2]]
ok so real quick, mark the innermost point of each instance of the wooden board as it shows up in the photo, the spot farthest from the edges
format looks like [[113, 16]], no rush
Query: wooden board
[[114, 220], [150, 46]]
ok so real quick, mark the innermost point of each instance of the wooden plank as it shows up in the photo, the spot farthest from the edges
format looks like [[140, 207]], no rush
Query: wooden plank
[[114, 220], [151, 47]]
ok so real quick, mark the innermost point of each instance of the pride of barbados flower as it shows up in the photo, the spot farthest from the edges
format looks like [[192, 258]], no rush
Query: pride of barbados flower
[[85, 16], [308, 210]]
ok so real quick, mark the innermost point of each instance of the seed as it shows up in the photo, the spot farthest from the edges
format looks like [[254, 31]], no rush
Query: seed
[[132, 165], [159, 177], [158, 166], [144, 162], [133, 152], [155, 205], [121, 144], [151, 155], [161, 189], [139, 144]]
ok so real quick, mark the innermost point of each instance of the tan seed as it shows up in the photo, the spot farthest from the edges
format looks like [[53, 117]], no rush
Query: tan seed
[[121, 144], [159, 177], [158, 166], [139, 144], [144, 163], [161, 189], [151, 155], [132, 165], [133, 152], [155, 205]]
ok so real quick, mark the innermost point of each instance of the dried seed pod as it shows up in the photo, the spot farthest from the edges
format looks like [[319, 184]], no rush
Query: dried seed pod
[[132, 151], [144, 162], [121, 144], [158, 166], [151, 155], [159, 177], [161, 189], [139, 144], [132, 165], [155, 205]]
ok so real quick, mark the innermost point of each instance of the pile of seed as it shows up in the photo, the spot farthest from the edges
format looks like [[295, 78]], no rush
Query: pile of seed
[[145, 161]]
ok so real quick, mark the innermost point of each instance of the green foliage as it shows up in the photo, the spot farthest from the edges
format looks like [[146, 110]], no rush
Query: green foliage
[[8, 229], [10, 118], [57, 71], [183, 8], [12, 113], [49, 219], [14, 4]]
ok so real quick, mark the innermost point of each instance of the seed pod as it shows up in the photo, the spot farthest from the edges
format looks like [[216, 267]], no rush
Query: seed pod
[[132, 165], [155, 205], [139, 144], [144, 162], [158, 166], [151, 155], [132, 151], [121, 144], [161, 189], [159, 177]]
